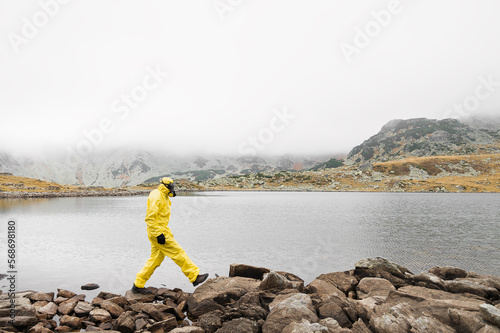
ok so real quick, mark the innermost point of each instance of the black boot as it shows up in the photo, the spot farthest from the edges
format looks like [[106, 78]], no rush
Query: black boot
[[200, 279], [138, 290]]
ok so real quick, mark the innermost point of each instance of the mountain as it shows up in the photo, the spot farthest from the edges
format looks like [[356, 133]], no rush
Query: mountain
[[427, 137], [128, 167]]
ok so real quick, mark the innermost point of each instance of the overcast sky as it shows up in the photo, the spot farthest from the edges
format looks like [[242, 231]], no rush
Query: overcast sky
[[236, 77]]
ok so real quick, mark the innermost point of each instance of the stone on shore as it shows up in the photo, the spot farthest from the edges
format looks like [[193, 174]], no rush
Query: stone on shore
[[247, 271], [90, 286], [490, 313]]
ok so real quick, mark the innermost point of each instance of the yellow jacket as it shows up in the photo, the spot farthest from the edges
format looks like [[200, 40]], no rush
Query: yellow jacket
[[158, 213]]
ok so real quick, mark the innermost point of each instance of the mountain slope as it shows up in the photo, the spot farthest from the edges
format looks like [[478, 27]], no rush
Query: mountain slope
[[424, 137]]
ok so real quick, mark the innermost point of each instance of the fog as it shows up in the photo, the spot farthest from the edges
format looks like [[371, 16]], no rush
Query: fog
[[238, 77]]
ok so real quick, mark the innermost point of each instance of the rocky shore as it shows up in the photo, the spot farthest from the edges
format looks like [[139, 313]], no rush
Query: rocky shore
[[79, 193], [376, 296]]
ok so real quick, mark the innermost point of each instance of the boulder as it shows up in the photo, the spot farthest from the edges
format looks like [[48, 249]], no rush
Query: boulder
[[188, 329], [114, 309], [240, 325], [428, 280], [18, 321], [73, 322], [48, 297], [125, 323], [472, 287], [154, 310], [489, 329], [65, 293], [490, 313], [305, 327], [83, 308], [99, 315], [324, 289], [369, 287], [90, 286], [294, 308], [466, 321], [333, 326], [216, 293], [360, 327], [137, 297], [49, 309], [343, 281], [67, 307], [381, 264], [275, 281], [39, 328], [210, 322], [140, 323], [448, 273], [60, 300], [23, 306], [332, 310], [120, 301], [165, 325], [247, 271]]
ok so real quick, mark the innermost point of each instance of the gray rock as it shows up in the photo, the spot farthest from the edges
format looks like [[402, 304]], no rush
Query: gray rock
[[188, 329], [240, 325], [383, 264], [490, 313], [305, 327], [216, 293], [273, 280], [210, 321], [131, 296], [294, 308]]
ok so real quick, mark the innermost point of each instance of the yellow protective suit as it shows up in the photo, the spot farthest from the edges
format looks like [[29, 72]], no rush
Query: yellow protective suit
[[157, 218]]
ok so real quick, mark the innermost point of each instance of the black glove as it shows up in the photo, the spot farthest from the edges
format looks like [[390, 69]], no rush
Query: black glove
[[173, 193], [161, 239]]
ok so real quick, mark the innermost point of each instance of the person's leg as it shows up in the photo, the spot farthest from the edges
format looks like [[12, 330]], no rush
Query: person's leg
[[145, 273], [173, 250]]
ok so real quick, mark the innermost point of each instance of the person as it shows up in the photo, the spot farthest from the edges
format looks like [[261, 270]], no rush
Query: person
[[162, 241]]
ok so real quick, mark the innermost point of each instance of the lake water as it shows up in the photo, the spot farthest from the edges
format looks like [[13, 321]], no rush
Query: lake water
[[68, 242]]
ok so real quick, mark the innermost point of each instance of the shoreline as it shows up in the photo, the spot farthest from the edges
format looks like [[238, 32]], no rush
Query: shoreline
[[134, 192], [376, 296]]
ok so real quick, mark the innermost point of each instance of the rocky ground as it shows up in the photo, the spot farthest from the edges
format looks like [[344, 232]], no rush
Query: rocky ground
[[376, 296], [471, 173]]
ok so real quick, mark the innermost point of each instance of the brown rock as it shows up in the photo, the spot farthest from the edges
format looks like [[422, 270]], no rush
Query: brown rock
[[471, 287], [120, 301], [63, 329], [38, 328], [343, 281], [295, 308], [140, 323], [489, 329], [48, 297], [67, 307], [490, 313], [273, 280], [247, 271], [97, 301], [211, 321], [98, 315], [465, 321], [240, 325], [448, 273], [83, 308], [360, 327], [332, 310], [114, 309], [137, 297], [60, 299], [65, 293], [49, 309], [125, 323], [324, 288], [333, 326], [369, 287], [219, 292], [90, 286], [164, 326], [155, 311], [73, 322], [189, 329]]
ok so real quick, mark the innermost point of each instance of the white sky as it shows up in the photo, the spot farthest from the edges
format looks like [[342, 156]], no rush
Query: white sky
[[226, 76]]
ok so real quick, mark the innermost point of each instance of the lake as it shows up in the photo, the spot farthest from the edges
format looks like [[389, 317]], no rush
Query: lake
[[68, 242]]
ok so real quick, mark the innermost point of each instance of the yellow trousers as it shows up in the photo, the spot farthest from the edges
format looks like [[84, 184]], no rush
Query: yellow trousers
[[174, 251]]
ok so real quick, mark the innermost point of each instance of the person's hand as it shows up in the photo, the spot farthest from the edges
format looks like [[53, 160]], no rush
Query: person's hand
[[161, 239]]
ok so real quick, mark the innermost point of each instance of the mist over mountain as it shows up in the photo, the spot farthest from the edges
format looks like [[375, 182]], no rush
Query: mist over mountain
[[128, 167]]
